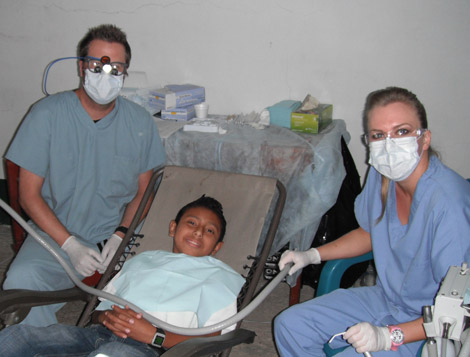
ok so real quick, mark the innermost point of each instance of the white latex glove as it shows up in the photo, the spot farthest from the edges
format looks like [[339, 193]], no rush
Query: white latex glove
[[300, 259], [84, 259], [365, 337], [109, 250]]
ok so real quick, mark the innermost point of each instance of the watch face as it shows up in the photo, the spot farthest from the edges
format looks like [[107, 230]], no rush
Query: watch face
[[159, 340], [397, 336]]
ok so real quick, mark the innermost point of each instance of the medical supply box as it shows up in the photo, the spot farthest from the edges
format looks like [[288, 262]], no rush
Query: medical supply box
[[182, 113], [312, 121], [280, 113], [178, 95]]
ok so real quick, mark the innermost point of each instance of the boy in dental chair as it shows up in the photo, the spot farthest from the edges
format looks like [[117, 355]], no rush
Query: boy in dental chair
[[192, 288]]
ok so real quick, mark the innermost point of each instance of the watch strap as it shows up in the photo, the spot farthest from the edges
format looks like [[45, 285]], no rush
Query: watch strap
[[158, 338], [396, 336], [121, 229]]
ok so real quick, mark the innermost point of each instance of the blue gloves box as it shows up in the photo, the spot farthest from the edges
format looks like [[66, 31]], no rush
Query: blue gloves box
[[280, 113]]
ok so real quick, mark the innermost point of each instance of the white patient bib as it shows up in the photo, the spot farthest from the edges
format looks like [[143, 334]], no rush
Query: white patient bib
[[184, 289]]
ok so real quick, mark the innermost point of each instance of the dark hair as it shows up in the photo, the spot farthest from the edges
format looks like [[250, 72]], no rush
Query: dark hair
[[108, 33], [383, 97], [211, 204]]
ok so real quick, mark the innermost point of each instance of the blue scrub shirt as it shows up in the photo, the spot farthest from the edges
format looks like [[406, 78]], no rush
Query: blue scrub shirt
[[412, 259], [90, 169]]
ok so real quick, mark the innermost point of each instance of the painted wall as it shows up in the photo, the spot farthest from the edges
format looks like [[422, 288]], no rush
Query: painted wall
[[250, 54]]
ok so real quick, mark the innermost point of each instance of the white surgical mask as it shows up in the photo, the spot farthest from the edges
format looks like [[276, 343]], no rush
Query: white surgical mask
[[102, 87], [395, 158]]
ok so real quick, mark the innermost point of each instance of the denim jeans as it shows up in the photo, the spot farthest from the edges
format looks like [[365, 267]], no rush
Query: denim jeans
[[62, 340]]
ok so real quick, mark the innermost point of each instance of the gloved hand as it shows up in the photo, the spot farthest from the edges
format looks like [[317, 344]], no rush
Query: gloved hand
[[366, 337], [109, 250], [84, 259], [300, 259]]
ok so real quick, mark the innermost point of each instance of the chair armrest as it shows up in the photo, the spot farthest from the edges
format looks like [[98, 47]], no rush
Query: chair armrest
[[202, 346], [333, 270], [16, 303]]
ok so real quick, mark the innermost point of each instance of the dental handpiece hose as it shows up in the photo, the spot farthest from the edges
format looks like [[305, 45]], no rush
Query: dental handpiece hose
[[445, 338], [117, 300], [431, 343]]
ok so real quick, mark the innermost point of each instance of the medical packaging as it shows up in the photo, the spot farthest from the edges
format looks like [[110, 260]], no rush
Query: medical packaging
[[178, 95], [312, 121], [142, 97], [182, 113], [280, 113], [203, 126]]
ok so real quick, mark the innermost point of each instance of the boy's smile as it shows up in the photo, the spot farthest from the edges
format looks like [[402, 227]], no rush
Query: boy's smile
[[197, 233]]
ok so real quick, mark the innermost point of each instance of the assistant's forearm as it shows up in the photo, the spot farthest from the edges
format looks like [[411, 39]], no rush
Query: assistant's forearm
[[413, 330], [352, 244], [41, 214], [130, 212], [132, 206]]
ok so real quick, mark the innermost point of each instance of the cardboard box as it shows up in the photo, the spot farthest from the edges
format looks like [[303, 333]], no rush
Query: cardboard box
[[279, 113], [178, 95], [183, 113], [313, 121]]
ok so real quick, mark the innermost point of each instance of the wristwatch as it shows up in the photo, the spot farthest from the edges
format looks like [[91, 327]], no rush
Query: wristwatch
[[397, 336], [121, 229], [158, 338]]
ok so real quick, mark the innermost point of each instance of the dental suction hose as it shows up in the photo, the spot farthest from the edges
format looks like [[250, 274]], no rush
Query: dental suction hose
[[166, 326]]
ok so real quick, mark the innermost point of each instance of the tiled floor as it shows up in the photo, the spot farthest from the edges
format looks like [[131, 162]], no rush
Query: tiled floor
[[259, 321]]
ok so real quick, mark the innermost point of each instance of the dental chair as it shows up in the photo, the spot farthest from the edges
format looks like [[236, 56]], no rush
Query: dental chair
[[252, 205]]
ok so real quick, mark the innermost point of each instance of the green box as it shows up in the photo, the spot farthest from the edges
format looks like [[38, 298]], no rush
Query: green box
[[313, 121]]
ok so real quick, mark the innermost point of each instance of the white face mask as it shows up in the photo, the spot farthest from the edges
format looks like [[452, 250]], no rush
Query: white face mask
[[103, 88], [395, 158]]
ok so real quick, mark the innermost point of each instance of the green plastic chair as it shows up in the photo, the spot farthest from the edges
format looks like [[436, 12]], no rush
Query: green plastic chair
[[332, 272], [330, 279]]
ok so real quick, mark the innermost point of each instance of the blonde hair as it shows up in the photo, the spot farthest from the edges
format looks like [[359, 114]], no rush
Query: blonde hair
[[381, 98]]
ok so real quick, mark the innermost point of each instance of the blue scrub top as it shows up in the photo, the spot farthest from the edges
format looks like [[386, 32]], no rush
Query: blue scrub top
[[412, 259], [90, 169]]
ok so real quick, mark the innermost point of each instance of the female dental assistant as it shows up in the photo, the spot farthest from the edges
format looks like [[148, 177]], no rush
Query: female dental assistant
[[414, 214]]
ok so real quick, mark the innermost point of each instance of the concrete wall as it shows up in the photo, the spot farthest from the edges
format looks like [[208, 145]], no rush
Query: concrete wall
[[250, 54]]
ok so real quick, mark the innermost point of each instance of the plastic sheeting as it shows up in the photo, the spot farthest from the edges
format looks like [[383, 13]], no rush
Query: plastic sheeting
[[310, 166]]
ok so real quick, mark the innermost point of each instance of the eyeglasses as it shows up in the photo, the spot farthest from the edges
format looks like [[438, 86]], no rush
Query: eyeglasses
[[104, 64], [398, 133]]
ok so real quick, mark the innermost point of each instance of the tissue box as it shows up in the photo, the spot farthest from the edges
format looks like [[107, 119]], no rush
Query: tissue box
[[183, 113], [178, 95], [312, 121], [280, 113]]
